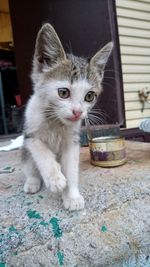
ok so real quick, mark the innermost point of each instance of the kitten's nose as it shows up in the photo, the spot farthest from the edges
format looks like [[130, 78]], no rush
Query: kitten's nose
[[77, 113]]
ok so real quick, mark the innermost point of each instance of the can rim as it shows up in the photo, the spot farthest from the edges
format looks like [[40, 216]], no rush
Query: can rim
[[105, 138]]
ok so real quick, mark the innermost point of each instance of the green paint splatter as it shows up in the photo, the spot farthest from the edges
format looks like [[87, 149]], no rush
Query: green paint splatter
[[2, 264], [7, 168], [34, 225], [43, 223], [1, 237], [29, 203], [33, 214], [55, 226], [40, 196], [12, 229], [60, 256], [103, 228]]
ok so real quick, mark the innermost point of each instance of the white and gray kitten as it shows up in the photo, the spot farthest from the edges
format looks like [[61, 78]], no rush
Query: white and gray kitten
[[65, 89]]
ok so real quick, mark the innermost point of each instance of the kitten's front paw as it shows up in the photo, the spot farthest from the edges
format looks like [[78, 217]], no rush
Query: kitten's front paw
[[32, 185], [56, 183], [73, 203]]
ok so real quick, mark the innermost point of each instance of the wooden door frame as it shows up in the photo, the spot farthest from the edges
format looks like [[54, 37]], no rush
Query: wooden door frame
[[117, 62]]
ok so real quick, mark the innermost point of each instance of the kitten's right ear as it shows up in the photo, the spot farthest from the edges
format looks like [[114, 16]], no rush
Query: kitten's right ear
[[48, 48], [100, 59]]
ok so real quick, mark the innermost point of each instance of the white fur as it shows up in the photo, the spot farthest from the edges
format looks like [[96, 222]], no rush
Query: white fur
[[72, 199], [51, 147]]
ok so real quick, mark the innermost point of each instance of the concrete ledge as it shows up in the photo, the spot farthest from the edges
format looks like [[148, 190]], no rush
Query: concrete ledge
[[113, 230]]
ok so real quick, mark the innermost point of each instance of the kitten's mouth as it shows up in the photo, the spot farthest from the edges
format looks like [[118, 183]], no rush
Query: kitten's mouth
[[74, 118]]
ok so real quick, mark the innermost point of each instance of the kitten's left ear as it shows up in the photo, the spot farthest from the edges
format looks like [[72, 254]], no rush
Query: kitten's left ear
[[48, 48], [101, 57]]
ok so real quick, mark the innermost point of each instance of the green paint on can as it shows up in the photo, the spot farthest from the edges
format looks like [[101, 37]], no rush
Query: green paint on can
[[60, 256], [56, 228], [33, 214], [103, 228], [3, 264]]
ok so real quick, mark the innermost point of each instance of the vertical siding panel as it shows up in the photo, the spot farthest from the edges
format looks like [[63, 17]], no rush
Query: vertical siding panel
[[134, 34]]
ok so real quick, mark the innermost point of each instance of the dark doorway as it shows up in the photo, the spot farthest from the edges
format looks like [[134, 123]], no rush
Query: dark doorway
[[83, 26]]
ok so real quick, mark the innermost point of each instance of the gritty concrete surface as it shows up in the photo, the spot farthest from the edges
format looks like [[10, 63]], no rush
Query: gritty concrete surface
[[113, 229]]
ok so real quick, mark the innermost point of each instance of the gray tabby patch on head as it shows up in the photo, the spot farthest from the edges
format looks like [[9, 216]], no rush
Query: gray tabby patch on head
[[51, 59], [79, 67]]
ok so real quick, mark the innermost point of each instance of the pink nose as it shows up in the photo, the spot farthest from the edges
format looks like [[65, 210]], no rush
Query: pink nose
[[77, 113]]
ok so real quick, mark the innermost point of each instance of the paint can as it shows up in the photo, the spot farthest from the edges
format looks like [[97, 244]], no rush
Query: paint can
[[107, 151]]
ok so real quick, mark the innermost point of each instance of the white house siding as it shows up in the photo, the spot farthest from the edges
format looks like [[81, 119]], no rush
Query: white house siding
[[133, 18]]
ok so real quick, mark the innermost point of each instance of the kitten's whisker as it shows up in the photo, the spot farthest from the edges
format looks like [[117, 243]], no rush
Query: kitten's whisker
[[111, 71], [51, 114], [108, 77], [94, 123], [101, 116], [108, 84], [96, 119], [101, 113], [96, 109], [89, 121]]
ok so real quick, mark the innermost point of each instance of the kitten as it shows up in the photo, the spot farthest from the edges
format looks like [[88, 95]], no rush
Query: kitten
[[65, 89]]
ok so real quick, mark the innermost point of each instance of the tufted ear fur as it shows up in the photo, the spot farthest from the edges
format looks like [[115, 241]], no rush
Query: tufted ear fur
[[48, 49], [100, 59]]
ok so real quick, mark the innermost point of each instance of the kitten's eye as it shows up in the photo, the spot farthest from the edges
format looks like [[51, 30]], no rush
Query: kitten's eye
[[64, 92], [90, 96]]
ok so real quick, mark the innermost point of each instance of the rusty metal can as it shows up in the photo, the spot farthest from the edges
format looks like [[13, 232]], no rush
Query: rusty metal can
[[107, 151]]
